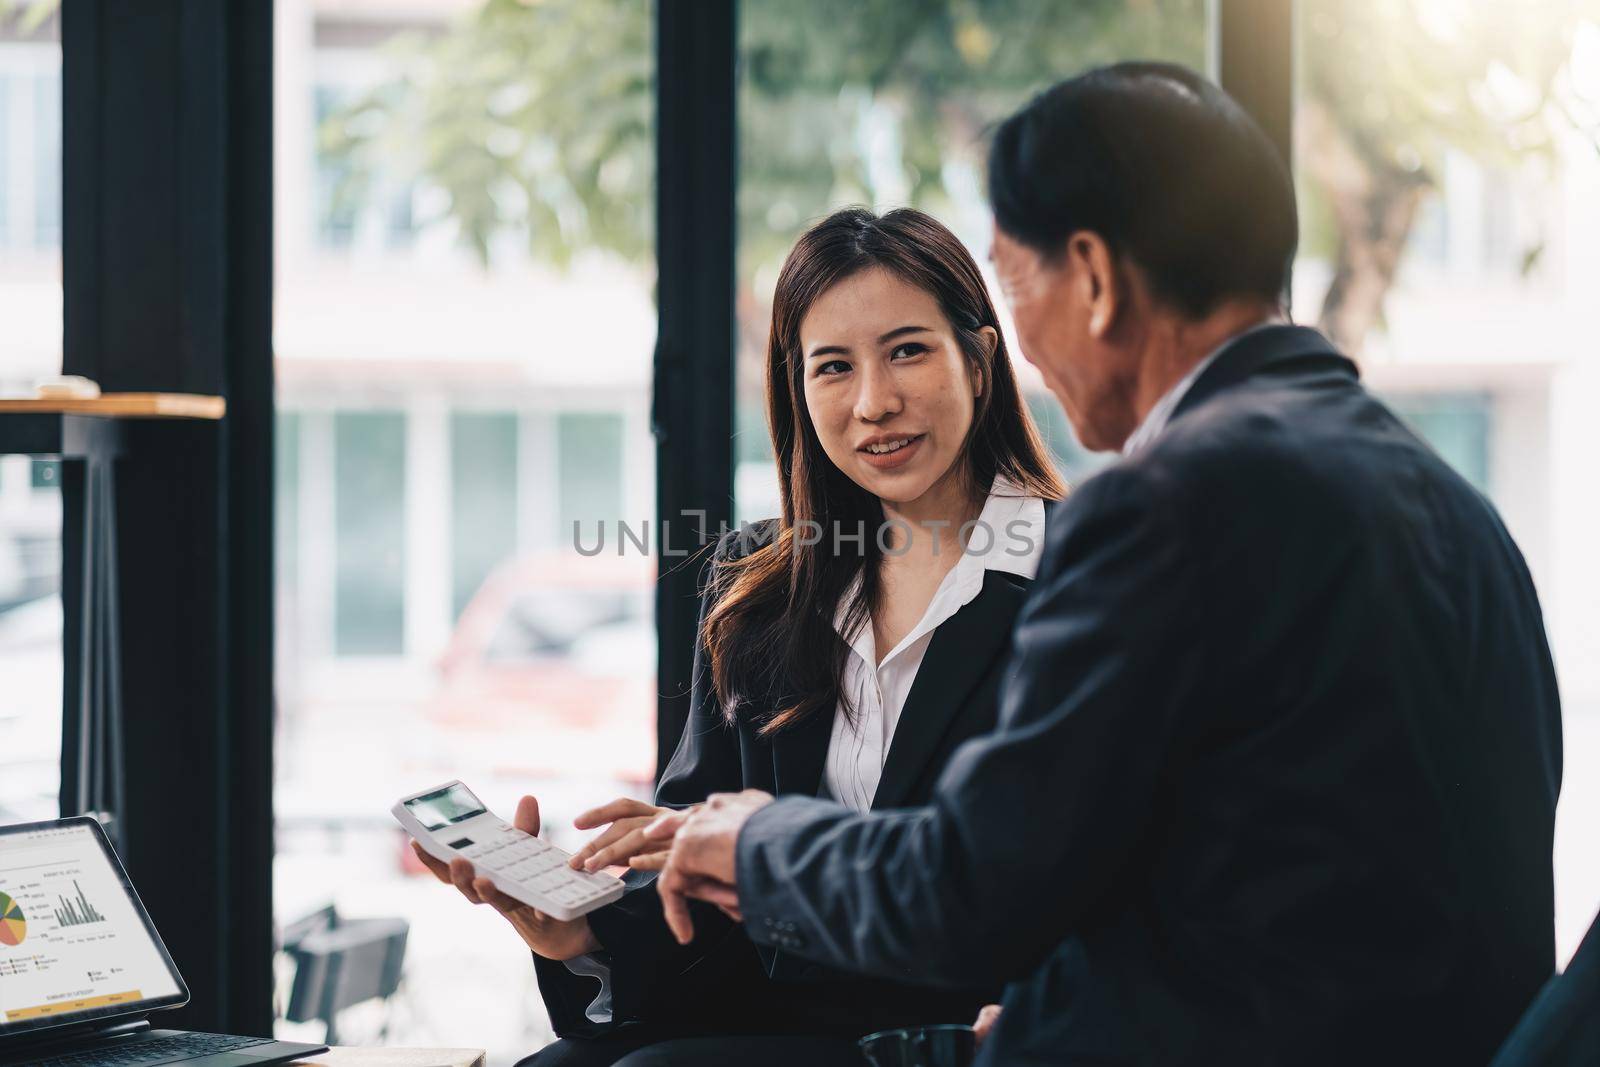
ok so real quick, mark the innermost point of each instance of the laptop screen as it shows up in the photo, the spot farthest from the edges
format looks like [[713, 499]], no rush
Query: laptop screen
[[75, 942]]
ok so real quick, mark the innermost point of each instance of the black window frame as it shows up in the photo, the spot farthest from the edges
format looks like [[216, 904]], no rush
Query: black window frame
[[167, 287]]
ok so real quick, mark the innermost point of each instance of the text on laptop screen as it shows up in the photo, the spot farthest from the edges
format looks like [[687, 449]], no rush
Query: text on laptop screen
[[72, 938]]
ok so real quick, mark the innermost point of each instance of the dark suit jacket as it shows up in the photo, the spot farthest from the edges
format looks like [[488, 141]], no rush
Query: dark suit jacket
[[722, 982], [1276, 769]]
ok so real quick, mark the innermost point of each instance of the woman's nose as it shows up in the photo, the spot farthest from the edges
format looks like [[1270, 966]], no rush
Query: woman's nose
[[878, 398]]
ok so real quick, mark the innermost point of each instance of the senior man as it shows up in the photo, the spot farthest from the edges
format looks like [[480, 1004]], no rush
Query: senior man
[[1279, 747]]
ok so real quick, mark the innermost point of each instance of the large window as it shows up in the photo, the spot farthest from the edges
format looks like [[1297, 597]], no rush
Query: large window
[[30, 349], [464, 331], [1446, 161], [464, 327]]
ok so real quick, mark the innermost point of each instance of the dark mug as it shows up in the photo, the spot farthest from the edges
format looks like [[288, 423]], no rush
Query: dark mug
[[921, 1046]]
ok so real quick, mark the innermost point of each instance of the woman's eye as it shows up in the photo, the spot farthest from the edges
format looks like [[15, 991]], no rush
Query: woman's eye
[[833, 366], [906, 351]]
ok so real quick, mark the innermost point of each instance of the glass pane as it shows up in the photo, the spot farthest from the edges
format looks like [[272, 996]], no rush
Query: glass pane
[[1444, 199], [483, 458], [886, 104], [591, 472], [30, 639], [464, 331], [30, 198], [30, 349], [369, 452], [1456, 426]]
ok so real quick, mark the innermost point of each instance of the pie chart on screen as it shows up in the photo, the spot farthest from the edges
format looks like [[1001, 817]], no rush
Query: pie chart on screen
[[13, 928]]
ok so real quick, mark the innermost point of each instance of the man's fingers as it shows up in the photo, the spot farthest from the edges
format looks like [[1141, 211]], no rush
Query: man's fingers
[[675, 894], [527, 817], [461, 874], [722, 895], [987, 1017], [620, 808], [718, 801], [675, 908]]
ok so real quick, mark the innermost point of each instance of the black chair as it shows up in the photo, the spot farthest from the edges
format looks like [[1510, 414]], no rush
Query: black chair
[[1561, 1028], [339, 963]]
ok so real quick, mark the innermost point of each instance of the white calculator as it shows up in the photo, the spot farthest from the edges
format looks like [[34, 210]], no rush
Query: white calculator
[[450, 821]]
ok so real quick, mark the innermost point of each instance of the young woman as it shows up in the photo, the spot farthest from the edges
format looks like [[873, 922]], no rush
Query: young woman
[[845, 649]]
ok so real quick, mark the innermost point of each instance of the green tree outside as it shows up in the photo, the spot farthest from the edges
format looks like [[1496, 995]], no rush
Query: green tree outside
[[535, 117]]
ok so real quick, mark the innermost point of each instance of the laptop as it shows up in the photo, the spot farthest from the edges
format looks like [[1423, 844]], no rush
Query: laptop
[[82, 967]]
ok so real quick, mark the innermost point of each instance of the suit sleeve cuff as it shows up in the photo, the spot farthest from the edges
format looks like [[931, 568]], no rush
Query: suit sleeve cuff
[[770, 911]]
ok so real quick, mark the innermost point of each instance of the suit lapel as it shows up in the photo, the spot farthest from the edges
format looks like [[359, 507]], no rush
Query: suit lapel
[[963, 648]]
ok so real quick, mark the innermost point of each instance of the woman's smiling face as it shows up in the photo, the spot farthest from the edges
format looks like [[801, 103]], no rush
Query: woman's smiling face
[[888, 389]]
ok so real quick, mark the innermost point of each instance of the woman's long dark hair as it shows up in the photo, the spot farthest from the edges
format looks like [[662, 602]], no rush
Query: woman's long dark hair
[[771, 621]]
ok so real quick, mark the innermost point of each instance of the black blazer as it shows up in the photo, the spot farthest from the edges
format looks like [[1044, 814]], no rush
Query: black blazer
[[722, 982], [1276, 770]]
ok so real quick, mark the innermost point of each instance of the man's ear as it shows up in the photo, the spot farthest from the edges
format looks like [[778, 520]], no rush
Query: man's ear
[[1096, 273], [991, 341]]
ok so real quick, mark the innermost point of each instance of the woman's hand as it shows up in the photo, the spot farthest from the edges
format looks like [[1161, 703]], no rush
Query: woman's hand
[[624, 838], [551, 938]]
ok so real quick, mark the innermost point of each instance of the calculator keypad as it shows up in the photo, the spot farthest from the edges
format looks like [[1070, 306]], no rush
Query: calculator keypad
[[536, 865]]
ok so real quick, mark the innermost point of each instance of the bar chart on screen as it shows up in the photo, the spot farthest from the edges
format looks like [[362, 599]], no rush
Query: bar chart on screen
[[49, 907], [78, 911]]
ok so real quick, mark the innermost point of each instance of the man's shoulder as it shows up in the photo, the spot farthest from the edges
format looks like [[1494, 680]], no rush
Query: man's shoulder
[[1232, 467], [1275, 438]]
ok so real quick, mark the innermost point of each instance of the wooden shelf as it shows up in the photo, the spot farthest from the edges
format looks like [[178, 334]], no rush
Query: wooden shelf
[[122, 406]]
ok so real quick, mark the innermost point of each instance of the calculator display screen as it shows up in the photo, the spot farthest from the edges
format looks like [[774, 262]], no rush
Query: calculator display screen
[[452, 804]]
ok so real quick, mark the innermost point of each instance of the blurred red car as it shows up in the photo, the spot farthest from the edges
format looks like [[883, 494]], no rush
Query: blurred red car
[[554, 663]]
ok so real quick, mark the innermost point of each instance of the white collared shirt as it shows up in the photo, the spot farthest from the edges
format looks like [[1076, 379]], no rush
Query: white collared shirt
[[1159, 415], [1008, 536]]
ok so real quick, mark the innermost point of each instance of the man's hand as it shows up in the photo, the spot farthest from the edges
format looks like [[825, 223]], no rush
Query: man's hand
[[988, 1015], [701, 861], [549, 937]]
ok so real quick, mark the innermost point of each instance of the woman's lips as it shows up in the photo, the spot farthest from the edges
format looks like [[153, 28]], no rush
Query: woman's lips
[[898, 458]]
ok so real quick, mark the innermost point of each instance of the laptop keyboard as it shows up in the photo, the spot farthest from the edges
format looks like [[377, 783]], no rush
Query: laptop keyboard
[[160, 1050]]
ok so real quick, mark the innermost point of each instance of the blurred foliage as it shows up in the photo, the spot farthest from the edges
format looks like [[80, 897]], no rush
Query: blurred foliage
[[535, 117], [531, 117], [819, 80], [1388, 90], [1409, 81], [25, 17]]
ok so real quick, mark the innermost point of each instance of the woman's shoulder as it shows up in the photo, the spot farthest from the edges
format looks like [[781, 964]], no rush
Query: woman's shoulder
[[745, 538], [734, 544]]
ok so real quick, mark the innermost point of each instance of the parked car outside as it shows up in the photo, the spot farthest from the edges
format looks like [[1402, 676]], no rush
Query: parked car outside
[[553, 663]]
